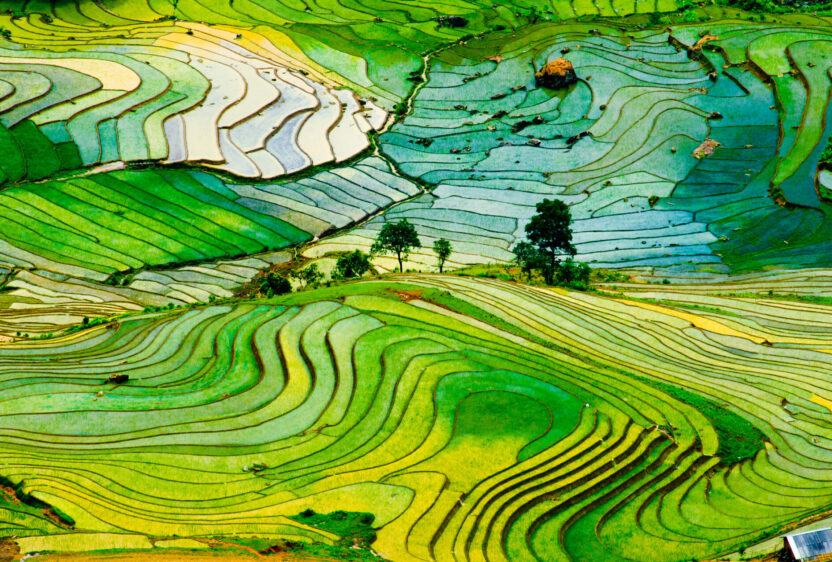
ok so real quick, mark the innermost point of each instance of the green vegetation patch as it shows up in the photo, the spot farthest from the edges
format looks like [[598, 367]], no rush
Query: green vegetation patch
[[738, 438], [393, 289], [29, 155], [354, 527]]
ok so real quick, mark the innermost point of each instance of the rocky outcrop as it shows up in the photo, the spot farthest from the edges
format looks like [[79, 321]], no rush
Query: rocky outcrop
[[556, 74]]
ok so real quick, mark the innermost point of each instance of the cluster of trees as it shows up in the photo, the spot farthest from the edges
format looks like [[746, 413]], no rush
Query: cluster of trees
[[549, 239], [547, 252], [399, 238], [273, 284]]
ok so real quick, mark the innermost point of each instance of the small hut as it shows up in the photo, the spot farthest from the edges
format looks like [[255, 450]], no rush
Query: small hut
[[811, 546]]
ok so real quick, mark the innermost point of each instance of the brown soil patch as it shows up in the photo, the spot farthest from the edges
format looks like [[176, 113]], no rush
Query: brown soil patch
[[707, 38], [9, 495], [9, 550], [49, 514], [407, 296]]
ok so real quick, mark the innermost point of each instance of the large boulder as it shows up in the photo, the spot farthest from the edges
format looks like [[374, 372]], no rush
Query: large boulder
[[556, 74]]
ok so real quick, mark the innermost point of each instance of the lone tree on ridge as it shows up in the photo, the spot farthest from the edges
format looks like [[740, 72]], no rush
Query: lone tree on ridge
[[397, 237], [443, 249], [549, 231]]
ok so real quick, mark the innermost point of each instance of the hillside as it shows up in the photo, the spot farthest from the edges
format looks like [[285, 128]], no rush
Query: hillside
[[635, 428], [164, 161]]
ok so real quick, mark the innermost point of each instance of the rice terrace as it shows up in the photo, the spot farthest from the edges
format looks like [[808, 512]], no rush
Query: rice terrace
[[408, 281]]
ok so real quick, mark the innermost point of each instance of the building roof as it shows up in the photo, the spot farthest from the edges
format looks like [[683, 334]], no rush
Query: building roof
[[811, 543]]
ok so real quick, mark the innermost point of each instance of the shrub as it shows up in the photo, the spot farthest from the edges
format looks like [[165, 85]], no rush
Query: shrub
[[273, 284], [309, 276], [573, 274], [527, 257], [450, 21], [826, 155], [354, 264]]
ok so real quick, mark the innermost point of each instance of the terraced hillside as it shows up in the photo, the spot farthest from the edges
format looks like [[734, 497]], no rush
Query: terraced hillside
[[637, 430], [159, 157], [122, 240], [620, 145], [495, 145], [373, 45], [98, 225], [231, 99], [256, 96]]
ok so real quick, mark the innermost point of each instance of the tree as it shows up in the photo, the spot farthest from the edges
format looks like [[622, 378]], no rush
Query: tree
[[397, 237], [549, 231], [527, 257], [443, 249], [273, 284], [309, 276], [354, 264]]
